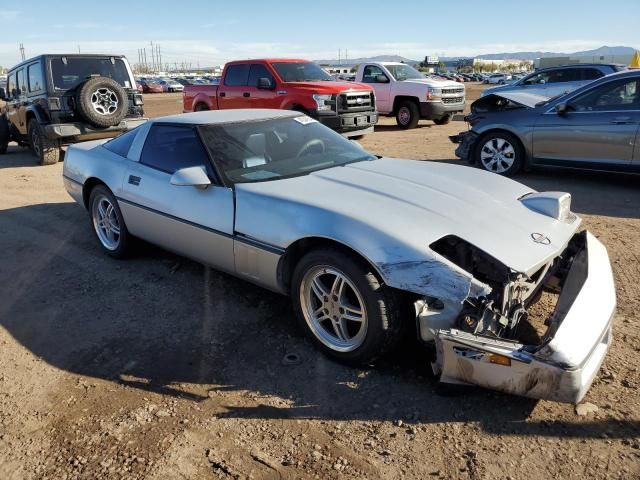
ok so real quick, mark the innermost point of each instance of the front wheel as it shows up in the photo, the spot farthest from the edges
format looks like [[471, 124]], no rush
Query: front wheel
[[107, 222], [344, 308], [499, 152], [408, 115], [47, 151]]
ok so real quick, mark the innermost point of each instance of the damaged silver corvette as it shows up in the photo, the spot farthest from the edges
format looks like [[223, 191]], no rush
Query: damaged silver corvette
[[498, 278]]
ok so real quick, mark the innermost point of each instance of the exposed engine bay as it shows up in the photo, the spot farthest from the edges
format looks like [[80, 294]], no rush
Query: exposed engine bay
[[505, 312]]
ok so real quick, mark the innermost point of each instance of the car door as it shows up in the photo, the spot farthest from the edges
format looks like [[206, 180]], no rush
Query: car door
[[372, 75], [194, 222], [232, 92], [261, 97], [17, 89], [599, 126]]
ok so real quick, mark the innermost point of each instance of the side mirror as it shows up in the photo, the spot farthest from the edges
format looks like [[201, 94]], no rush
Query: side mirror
[[265, 83], [382, 79], [3, 94], [191, 177], [562, 108]]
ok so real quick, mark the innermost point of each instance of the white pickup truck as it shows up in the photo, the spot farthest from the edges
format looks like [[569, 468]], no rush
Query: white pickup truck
[[403, 91]]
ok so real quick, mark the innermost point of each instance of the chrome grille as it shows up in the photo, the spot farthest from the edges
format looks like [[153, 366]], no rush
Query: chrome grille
[[452, 91], [452, 99], [355, 101]]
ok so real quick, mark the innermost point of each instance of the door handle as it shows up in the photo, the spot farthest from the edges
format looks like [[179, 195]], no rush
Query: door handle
[[622, 120], [222, 94], [133, 180], [246, 94]]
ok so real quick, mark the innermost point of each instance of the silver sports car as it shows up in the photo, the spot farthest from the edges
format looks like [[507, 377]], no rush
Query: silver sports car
[[497, 277]]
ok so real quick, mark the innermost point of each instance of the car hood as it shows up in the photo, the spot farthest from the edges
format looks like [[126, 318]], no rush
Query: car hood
[[403, 202], [526, 99], [434, 83], [336, 86]]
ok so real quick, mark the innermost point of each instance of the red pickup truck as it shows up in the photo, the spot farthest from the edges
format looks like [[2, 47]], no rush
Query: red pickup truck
[[289, 84]]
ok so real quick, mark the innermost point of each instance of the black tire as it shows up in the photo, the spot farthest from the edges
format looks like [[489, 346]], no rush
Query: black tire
[[4, 134], [444, 120], [98, 193], [47, 151], [201, 107], [381, 304], [497, 138], [357, 137], [407, 115], [102, 102]]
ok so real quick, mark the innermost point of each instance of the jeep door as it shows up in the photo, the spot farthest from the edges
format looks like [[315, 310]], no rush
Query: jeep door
[[599, 126], [192, 221], [17, 91]]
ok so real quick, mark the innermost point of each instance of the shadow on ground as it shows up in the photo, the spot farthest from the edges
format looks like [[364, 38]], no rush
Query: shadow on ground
[[157, 321]]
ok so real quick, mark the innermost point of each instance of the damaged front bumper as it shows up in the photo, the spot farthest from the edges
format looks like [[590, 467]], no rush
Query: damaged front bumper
[[465, 141], [564, 365]]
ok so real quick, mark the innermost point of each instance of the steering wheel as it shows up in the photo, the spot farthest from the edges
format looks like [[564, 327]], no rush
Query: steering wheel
[[313, 143]]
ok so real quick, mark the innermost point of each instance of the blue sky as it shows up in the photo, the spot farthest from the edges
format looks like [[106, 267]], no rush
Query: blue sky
[[212, 32]]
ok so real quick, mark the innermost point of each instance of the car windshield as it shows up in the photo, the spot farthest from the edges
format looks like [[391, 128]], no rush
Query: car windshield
[[69, 72], [404, 72], [301, 72], [277, 148]]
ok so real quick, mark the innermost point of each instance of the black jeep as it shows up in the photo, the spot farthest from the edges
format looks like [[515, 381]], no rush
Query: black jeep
[[55, 100]]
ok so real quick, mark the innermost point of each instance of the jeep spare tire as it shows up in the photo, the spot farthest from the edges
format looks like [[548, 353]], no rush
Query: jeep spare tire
[[102, 102]]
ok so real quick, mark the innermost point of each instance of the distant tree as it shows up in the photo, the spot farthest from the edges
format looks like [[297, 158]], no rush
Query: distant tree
[[354, 69]]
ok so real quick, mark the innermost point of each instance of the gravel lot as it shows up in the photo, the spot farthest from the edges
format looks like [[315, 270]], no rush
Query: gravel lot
[[157, 367]]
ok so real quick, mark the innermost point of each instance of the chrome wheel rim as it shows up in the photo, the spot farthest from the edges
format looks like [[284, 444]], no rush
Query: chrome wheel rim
[[497, 155], [104, 101], [333, 309], [404, 115], [105, 222], [35, 142]]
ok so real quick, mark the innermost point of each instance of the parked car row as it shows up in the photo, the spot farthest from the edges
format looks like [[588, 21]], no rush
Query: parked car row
[[173, 84]]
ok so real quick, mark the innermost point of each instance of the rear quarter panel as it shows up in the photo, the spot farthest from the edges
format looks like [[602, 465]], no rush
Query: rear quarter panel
[[193, 95]]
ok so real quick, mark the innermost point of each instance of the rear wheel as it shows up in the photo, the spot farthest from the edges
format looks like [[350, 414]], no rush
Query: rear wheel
[[4, 135], [344, 308], [443, 121], [107, 222], [499, 152], [201, 107], [407, 115], [47, 151]]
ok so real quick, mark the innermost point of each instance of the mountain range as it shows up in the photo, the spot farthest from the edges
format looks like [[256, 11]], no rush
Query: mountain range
[[604, 50]]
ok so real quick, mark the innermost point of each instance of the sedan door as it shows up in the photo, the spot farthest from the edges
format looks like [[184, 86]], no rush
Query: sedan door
[[597, 127], [193, 221]]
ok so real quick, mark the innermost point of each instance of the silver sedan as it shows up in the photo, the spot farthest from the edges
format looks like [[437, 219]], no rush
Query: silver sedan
[[366, 247], [595, 127]]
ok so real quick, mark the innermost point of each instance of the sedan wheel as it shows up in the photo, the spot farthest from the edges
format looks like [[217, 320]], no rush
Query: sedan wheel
[[333, 308], [107, 222], [499, 153]]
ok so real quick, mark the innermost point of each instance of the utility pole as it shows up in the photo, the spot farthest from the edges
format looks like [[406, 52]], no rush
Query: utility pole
[[153, 57], [78, 48], [339, 62], [22, 51]]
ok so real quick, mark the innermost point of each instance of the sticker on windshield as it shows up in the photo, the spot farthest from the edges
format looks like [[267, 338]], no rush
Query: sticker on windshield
[[304, 120]]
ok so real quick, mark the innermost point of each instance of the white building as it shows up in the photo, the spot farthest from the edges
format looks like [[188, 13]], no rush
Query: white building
[[573, 60]]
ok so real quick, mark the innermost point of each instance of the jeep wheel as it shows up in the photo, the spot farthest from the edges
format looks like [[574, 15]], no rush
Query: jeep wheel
[[102, 102], [408, 115], [47, 151], [4, 135]]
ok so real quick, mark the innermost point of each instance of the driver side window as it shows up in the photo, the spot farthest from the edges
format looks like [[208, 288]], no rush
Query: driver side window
[[370, 74], [612, 96], [169, 148]]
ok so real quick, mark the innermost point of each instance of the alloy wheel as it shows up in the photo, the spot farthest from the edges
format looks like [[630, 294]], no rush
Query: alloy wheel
[[404, 115], [104, 101], [497, 155], [105, 222], [333, 308]]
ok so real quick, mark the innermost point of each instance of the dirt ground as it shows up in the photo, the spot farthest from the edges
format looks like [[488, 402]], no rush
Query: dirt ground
[[156, 367]]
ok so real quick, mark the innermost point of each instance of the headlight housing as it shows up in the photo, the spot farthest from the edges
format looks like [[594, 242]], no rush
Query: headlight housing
[[434, 94], [324, 102]]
